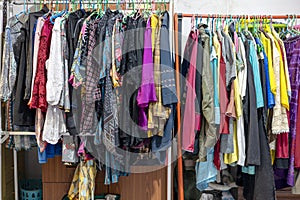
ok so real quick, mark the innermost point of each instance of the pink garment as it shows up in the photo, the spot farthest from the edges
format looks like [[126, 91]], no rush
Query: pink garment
[[224, 119], [236, 41], [282, 145], [189, 120]]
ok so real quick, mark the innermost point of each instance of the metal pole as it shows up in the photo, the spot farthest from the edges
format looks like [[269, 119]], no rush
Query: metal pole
[[16, 175], [1, 157], [169, 155], [240, 16], [179, 159], [169, 177]]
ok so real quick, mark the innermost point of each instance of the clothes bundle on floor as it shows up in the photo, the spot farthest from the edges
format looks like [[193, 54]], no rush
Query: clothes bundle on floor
[[104, 77], [239, 104]]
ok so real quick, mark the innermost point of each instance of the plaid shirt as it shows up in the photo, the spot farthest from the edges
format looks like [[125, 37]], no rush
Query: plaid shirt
[[157, 113], [88, 106]]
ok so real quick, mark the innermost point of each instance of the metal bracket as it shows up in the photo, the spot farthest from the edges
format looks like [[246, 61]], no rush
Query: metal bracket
[[4, 136]]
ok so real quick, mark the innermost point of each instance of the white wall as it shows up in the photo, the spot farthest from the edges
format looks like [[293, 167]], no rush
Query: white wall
[[257, 7], [234, 7]]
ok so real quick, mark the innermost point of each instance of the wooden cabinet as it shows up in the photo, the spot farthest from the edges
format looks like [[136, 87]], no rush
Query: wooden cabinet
[[146, 186], [7, 174]]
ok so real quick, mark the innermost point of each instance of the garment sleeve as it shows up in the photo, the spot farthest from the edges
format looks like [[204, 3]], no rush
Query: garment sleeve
[[208, 100], [55, 69]]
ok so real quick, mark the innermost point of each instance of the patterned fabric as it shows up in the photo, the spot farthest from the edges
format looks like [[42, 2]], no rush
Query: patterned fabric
[[88, 117], [169, 95], [118, 41], [110, 115], [110, 122], [97, 94], [39, 123], [83, 183], [157, 113], [116, 51], [39, 88], [76, 78], [9, 65], [293, 53], [65, 97], [279, 120]]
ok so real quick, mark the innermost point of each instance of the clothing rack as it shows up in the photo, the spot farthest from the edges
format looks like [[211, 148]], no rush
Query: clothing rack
[[92, 1], [113, 4], [181, 15], [178, 53]]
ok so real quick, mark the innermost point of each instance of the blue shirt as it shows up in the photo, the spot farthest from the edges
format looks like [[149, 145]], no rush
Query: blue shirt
[[257, 82], [270, 95]]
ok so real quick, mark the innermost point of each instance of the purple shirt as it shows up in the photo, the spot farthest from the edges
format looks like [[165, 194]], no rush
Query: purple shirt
[[293, 54], [146, 93]]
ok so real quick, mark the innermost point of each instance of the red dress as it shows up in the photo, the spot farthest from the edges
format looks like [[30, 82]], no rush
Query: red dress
[[39, 87]]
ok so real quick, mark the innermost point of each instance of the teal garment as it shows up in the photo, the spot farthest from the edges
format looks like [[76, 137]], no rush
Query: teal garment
[[257, 82], [249, 170], [214, 69], [206, 172]]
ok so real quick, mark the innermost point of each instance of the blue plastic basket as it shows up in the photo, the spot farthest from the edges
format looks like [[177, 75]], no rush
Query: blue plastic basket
[[31, 190]]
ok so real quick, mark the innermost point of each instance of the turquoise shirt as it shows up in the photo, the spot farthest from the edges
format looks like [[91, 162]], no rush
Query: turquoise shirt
[[257, 82]]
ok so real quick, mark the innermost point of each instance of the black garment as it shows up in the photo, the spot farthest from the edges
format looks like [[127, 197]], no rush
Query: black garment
[[198, 80], [264, 90], [251, 119], [264, 186], [32, 18], [248, 190], [131, 67], [261, 185], [22, 115], [73, 28], [73, 18]]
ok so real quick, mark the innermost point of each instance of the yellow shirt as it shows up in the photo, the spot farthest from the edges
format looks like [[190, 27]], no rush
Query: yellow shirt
[[284, 99], [230, 158], [217, 46], [268, 49], [284, 73], [237, 98], [154, 22]]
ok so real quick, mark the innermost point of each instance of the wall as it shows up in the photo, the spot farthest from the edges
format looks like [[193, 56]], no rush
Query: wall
[[257, 7], [234, 7]]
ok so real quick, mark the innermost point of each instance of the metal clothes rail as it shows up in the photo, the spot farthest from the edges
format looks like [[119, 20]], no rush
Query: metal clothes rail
[[178, 53], [182, 15]]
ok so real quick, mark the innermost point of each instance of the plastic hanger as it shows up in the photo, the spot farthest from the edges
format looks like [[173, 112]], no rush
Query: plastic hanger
[[53, 17], [118, 5], [133, 9], [146, 11], [196, 21], [23, 11], [293, 26]]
